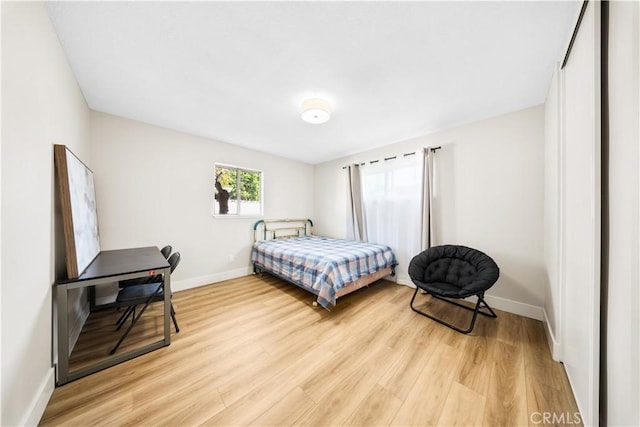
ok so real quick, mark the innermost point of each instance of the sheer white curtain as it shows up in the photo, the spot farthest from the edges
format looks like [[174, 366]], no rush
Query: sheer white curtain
[[392, 195]]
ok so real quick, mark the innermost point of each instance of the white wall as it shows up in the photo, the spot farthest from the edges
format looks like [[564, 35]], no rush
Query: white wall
[[552, 213], [41, 105], [622, 355], [155, 187], [488, 195]]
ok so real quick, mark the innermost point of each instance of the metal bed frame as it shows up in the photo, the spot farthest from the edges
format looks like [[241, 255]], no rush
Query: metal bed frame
[[271, 227], [267, 229]]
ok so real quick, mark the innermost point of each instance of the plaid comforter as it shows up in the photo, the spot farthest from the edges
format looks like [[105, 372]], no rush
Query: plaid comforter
[[320, 264]]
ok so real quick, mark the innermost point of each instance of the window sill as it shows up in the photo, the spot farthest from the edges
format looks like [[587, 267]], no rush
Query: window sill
[[237, 216]]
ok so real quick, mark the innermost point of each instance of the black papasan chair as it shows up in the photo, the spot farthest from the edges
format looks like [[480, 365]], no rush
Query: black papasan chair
[[451, 271]]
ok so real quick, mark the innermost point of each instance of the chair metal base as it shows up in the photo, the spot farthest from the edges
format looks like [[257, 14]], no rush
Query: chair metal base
[[476, 310], [131, 311]]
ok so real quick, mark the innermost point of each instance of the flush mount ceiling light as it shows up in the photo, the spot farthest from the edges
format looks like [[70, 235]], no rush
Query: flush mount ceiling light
[[315, 110]]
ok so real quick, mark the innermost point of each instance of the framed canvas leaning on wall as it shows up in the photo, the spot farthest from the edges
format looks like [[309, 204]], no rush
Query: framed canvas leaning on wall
[[79, 210]]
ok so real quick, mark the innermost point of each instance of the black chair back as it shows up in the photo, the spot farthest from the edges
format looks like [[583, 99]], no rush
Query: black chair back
[[174, 260], [166, 251]]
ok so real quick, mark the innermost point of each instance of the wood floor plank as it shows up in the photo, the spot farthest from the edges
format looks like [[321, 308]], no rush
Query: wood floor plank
[[378, 408], [477, 357], [545, 401], [401, 377], [90, 413], [255, 351], [506, 396], [463, 407], [187, 404], [349, 356], [509, 328], [274, 388], [537, 358], [347, 393], [426, 399], [286, 411]]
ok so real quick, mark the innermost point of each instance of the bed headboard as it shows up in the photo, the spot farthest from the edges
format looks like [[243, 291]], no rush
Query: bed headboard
[[266, 229]]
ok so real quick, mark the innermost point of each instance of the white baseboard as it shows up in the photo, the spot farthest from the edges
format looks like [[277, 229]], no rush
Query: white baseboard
[[405, 281], [180, 285], [40, 400], [515, 307], [554, 345]]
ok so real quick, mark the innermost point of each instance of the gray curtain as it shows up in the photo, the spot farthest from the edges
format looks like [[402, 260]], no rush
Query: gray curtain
[[356, 229], [427, 199]]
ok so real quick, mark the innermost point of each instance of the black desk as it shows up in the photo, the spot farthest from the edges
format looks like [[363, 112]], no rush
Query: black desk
[[109, 267]]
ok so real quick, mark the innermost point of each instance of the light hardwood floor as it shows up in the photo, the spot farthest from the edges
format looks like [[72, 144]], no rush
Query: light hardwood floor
[[254, 351]]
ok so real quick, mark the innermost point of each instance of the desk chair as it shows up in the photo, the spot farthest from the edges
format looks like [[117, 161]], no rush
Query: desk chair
[[143, 294]]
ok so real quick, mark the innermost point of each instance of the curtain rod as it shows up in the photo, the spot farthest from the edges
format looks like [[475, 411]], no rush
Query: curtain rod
[[392, 157]]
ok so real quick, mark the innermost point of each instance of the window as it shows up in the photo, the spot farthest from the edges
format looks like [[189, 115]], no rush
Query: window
[[391, 193], [237, 191]]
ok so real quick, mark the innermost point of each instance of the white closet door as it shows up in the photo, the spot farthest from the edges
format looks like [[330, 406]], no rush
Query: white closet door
[[580, 330], [623, 342]]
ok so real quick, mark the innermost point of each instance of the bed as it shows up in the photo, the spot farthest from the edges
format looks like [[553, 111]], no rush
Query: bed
[[328, 268]]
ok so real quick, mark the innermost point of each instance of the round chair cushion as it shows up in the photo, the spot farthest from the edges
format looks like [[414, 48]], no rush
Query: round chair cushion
[[453, 271]]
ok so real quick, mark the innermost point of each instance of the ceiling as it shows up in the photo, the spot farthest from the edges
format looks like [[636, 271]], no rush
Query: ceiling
[[237, 72]]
